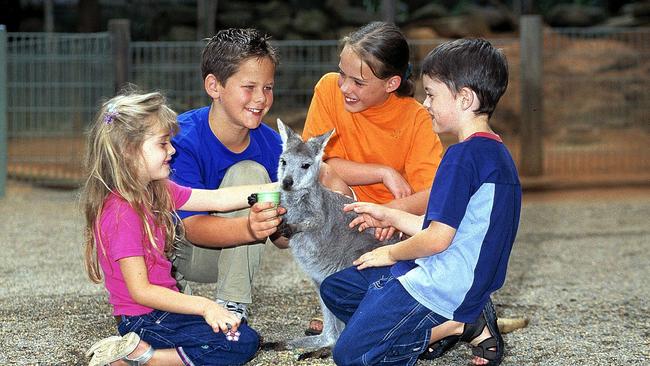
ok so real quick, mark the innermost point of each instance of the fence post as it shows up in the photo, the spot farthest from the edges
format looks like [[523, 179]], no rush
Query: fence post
[[120, 39], [206, 13], [388, 11], [532, 116], [4, 149]]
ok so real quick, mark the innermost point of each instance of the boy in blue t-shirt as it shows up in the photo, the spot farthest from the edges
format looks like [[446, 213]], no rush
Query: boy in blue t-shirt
[[436, 284], [226, 144]]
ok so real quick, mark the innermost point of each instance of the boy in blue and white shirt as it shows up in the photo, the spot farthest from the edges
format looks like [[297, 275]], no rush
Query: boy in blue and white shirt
[[436, 284]]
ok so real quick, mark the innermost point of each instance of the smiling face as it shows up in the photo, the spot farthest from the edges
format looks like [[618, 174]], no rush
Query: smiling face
[[442, 105], [360, 87], [247, 95], [157, 151]]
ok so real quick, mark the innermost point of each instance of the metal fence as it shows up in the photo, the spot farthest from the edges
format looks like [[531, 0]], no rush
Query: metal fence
[[174, 68], [597, 104], [596, 97], [54, 82]]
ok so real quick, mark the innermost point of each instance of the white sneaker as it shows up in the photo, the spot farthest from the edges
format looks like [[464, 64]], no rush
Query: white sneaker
[[238, 309]]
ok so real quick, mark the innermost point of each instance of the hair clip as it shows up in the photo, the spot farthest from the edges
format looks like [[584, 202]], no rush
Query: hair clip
[[409, 71], [111, 114]]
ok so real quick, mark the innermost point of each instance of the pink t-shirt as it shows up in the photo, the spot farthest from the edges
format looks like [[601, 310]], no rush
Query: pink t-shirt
[[122, 236]]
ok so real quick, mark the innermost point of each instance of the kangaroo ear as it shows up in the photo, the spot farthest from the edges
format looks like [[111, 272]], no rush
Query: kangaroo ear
[[282, 128], [286, 133], [319, 142]]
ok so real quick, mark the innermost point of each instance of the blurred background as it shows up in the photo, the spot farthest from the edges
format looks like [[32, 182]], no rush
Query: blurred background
[[576, 112]]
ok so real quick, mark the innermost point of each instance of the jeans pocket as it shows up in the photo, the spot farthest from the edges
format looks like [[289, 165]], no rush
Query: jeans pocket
[[130, 324], [403, 352], [156, 339], [380, 283]]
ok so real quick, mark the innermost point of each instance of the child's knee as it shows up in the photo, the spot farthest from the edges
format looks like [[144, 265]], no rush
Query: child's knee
[[345, 351], [248, 343]]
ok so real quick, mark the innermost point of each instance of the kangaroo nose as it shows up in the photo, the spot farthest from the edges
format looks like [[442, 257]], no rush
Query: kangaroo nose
[[287, 183]]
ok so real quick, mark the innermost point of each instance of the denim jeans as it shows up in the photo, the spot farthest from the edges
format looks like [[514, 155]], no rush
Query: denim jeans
[[384, 324], [194, 340]]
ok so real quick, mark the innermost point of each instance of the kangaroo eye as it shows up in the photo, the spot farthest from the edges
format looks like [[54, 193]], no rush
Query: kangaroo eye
[[305, 166], [283, 162]]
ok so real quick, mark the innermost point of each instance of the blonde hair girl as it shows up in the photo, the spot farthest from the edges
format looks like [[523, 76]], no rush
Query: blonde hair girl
[[129, 206]]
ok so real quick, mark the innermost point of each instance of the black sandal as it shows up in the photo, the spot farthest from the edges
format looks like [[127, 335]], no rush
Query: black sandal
[[470, 331], [439, 347], [490, 348]]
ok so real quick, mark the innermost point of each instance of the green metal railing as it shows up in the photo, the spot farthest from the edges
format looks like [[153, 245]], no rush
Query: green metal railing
[[596, 90]]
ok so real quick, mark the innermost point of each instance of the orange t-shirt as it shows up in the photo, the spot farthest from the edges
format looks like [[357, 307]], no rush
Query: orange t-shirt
[[398, 133]]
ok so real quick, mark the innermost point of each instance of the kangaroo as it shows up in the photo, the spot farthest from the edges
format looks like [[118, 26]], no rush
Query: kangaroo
[[321, 241]]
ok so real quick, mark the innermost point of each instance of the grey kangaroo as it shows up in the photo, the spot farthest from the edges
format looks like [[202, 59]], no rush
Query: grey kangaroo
[[321, 241]]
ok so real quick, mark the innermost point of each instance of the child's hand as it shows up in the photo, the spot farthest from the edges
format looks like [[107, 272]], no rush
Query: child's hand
[[379, 257], [385, 233], [264, 218], [395, 183], [369, 215], [219, 318]]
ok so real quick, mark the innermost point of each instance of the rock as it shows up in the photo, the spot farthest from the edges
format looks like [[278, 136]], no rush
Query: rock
[[420, 34], [574, 15], [312, 21], [235, 18], [461, 26], [277, 18], [181, 33], [497, 19], [637, 9], [353, 16], [429, 11]]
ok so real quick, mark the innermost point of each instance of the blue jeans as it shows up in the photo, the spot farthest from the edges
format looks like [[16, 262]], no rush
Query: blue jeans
[[384, 325], [194, 340]]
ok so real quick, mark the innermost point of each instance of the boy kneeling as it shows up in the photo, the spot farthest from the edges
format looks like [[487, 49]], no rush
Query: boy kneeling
[[436, 284]]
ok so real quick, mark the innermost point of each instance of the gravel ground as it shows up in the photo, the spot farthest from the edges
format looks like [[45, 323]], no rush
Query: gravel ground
[[579, 272]]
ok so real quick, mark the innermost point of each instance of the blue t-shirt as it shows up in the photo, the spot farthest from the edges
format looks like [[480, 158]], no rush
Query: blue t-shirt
[[201, 160], [477, 192]]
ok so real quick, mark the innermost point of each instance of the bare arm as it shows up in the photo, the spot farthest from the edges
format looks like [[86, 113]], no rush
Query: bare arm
[[330, 179], [434, 239], [144, 293], [224, 199], [378, 216], [214, 231], [415, 203], [358, 174]]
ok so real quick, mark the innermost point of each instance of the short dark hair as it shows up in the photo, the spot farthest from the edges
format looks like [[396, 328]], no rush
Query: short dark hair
[[383, 47], [227, 49], [472, 63]]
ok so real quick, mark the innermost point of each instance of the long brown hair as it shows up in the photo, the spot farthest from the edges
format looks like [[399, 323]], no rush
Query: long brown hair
[[112, 162]]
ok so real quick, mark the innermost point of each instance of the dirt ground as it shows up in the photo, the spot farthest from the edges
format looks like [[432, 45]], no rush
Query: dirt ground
[[578, 271]]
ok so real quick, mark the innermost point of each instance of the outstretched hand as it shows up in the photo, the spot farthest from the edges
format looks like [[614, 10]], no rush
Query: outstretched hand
[[369, 215]]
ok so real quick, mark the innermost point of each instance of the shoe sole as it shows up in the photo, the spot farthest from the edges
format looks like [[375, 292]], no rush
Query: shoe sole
[[111, 351], [100, 343]]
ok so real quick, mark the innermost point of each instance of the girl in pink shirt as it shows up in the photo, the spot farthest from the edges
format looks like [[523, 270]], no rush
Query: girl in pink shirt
[[129, 206]]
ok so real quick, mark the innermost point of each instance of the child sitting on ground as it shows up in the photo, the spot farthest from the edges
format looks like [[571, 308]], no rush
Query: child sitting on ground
[[129, 206], [436, 284]]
